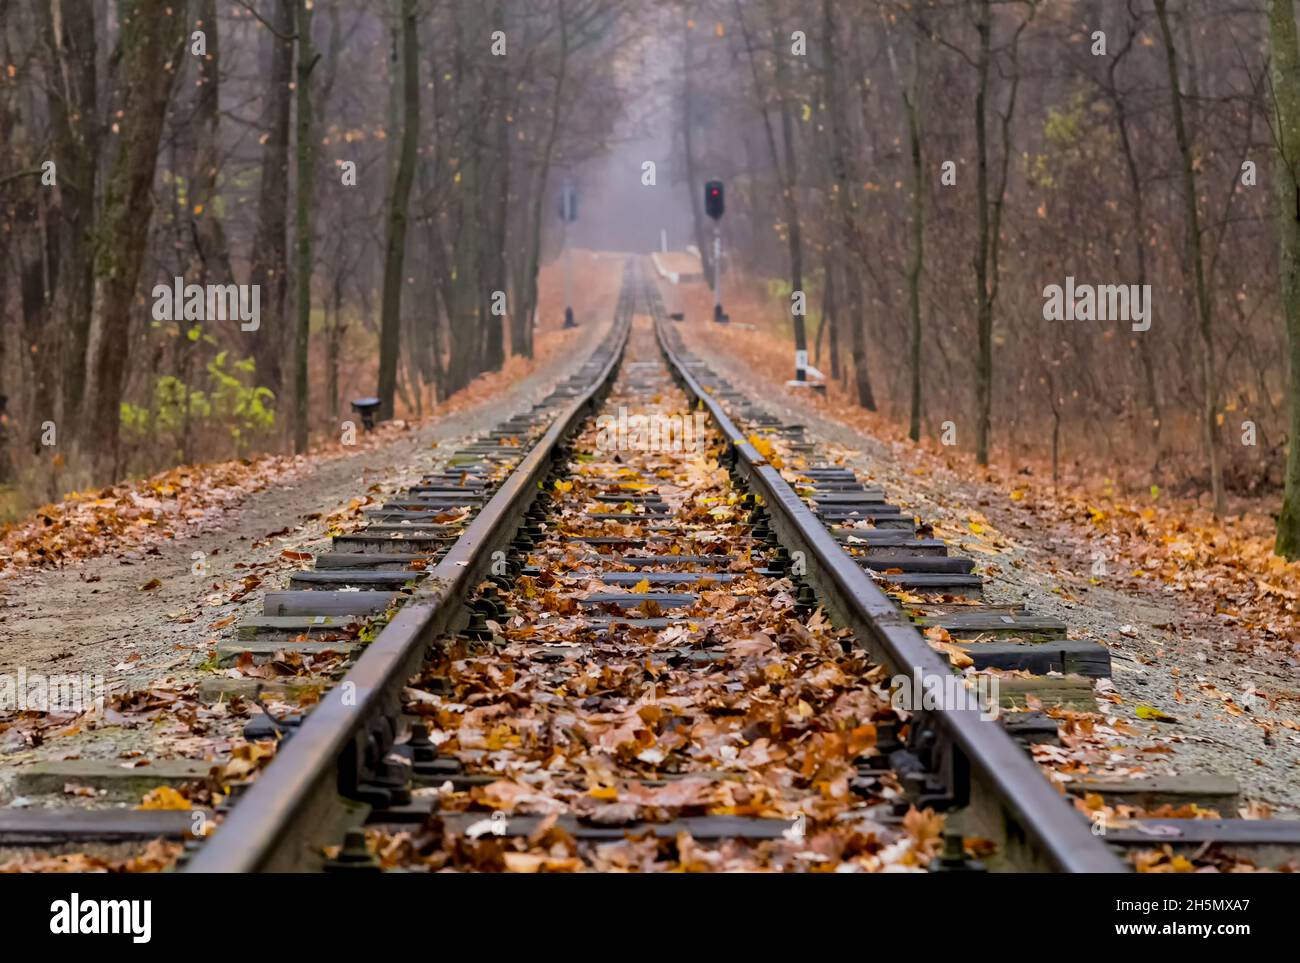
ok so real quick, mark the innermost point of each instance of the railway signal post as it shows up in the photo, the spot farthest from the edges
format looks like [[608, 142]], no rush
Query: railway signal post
[[714, 205]]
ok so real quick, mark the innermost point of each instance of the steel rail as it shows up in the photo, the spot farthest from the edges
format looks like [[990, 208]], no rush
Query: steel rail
[[1010, 800], [279, 823]]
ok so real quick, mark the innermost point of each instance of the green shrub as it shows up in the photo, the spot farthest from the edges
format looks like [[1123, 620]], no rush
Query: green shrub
[[230, 407]]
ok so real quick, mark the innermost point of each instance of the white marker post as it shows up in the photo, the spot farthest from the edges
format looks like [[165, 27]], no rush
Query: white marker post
[[717, 274]]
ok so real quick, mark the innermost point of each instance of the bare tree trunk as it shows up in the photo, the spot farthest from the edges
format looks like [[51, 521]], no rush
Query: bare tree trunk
[[1056, 427], [492, 206], [465, 346], [845, 194], [496, 208], [984, 306], [439, 283], [334, 341], [306, 175], [1196, 260], [1138, 226], [74, 113], [39, 250], [916, 263], [209, 235], [694, 185], [830, 316], [521, 312], [270, 259], [210, 258], [8, 161], [6, 453], [534, 246], [151, 34], [857, 324], [390, 324], [1285, 64], [820, 337], [987, 273], [434, 171], [794, 230]]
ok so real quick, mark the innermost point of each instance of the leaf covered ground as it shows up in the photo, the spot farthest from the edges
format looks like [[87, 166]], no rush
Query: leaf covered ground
[[740, 704]]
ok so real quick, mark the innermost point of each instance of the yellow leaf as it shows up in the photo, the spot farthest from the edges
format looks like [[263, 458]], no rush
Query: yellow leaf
[[604, 793], [765, 449], [641, 587], [1017, 495], [502, 737], [937, 633], [1154, 715], [940, 639], [164, 797]]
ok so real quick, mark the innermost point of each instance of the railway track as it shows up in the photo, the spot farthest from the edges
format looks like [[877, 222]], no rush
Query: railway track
[[645, 675], [611, 634]]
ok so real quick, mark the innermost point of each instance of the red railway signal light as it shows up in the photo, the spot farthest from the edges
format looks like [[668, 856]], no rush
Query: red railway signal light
[[714, 199]]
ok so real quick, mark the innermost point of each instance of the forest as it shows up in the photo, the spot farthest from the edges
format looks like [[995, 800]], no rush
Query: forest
[[346, 162], [939, 170], [918, 176]]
